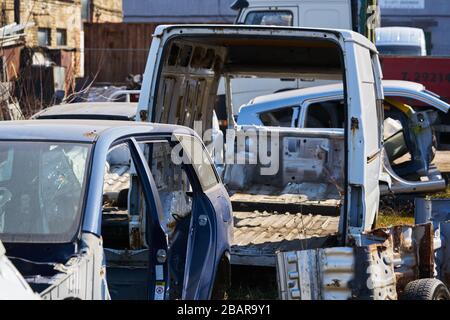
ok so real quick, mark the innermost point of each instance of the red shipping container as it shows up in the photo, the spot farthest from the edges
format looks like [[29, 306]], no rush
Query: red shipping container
[[432, 72]]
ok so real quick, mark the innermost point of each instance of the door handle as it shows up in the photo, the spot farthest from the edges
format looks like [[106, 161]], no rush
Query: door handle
[[161, 256]]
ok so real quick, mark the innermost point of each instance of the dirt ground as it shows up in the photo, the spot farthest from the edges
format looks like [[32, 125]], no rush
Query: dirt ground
[[253, 283]]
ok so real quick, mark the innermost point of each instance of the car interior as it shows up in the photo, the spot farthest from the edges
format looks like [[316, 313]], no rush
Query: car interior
[[124, 220], [325, 114]]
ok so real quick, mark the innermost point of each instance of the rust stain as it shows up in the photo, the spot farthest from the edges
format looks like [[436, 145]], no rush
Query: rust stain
[[354, 125], [336, 283], [135, 238], [144, 115], [426, 252], [90, 134]]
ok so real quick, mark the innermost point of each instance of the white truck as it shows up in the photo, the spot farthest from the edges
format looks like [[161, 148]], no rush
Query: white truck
[[358, 15], [305, 13], [401, 41], [183, 71]]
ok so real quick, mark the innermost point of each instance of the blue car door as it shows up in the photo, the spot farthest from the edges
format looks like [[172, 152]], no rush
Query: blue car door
[[202, 253], [156, 237]]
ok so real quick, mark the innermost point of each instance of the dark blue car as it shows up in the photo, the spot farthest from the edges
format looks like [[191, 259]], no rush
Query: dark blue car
[[112, 209]]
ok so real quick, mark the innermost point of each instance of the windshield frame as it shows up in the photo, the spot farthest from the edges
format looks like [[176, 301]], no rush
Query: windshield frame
[[74, 232]]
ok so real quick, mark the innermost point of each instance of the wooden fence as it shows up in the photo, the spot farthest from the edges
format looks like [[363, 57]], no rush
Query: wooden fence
[[115, 50]]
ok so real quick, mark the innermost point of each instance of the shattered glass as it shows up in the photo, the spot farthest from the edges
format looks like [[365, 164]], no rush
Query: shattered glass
[[42, 185]]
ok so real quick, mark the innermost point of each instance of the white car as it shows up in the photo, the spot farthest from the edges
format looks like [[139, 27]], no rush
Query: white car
[[411, 113], [12, 285]]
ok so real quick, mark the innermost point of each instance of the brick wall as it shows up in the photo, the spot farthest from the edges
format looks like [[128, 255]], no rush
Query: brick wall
[[60, 14], [53, 15], [107, 11], [6, 12]]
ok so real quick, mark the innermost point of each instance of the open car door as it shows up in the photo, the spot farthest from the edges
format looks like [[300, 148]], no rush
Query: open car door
[[364, 136], [202, 246]]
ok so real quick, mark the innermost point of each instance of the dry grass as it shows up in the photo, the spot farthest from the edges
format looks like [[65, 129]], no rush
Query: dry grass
[[442, 195], [388, 220], [402, 212]]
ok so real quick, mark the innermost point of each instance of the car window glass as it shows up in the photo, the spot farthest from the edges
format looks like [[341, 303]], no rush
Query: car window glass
[[41, 190], [274, 18], [400, 50], [6, 163], [327, 114]]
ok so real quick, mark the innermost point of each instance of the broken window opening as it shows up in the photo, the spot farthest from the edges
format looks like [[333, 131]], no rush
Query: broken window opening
[[277, 118]]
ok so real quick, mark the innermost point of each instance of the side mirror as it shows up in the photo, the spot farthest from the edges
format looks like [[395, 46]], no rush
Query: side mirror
[[239, 4]]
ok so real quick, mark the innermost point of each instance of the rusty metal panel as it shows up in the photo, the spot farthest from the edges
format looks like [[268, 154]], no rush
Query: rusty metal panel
[[437, 211], [374, 277], [339, 273], [83, 276], [336, 267], [115, 50], [379, 269], [412, 251], [12, 57], [444, 272]]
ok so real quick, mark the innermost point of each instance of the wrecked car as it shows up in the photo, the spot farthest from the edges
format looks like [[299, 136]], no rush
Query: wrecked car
[[98, 210], [123, 111], [400, 262], [180, 85], [410, 112]]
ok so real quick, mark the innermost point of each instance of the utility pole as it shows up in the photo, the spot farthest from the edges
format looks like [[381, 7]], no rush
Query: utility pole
[[17, 11], [369, 18]]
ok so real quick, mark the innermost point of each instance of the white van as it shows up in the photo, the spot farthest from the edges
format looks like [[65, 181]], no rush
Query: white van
[[400, 41], [306, 13], [335, 14]]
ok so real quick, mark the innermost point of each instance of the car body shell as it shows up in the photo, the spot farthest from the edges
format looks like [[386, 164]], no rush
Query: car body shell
[[363, 145], [419, 140], [90, 110], [249, 113], [102, 135]]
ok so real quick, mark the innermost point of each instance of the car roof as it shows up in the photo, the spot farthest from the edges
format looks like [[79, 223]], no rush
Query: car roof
[[215, 29], [392, 85], [82, 130], [110, 110], [293, 97], [296, 95]]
